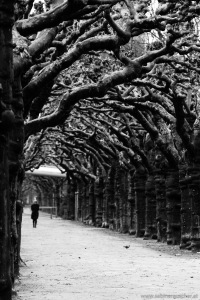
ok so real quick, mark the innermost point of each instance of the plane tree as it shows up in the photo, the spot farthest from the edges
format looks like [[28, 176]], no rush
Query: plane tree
[[166, 112], [66, 39], [163, 74]]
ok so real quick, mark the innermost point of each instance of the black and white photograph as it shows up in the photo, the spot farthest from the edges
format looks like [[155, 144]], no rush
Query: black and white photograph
[[99, 149]]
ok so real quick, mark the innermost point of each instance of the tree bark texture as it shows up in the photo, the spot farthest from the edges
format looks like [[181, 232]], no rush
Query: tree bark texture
[[140, 178], [131, 201], [82, 201], [16, 171], [173, 205], [161, 217], [72, 200], [91, 204], [185, 208], [57, 197], [118, 200], [150, 212], [194, 191], [98, 193], [63, 205], [111, 196], [124, 201], [70, 203], [19, 212], [105, 202], [6, 123]]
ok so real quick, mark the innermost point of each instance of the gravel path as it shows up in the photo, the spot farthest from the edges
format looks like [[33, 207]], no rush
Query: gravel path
[[66, 260]]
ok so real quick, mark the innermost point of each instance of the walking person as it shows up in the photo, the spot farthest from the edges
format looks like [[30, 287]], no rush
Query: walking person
[[35, 212]]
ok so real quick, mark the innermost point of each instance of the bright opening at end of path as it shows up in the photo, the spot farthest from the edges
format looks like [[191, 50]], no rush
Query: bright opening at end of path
[[47, 171]]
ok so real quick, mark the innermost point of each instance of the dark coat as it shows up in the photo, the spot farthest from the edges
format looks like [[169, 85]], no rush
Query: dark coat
[[35, 211]]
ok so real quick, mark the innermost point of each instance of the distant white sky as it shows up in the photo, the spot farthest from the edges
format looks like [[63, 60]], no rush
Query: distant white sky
[[36, 2]]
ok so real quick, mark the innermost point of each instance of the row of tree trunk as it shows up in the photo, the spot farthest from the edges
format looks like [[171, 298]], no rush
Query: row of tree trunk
[[162, 205]]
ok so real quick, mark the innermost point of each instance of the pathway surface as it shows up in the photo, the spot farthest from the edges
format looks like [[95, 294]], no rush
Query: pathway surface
[[66, 260]]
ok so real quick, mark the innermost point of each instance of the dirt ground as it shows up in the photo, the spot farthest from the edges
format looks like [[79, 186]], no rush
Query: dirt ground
[[66, 260]]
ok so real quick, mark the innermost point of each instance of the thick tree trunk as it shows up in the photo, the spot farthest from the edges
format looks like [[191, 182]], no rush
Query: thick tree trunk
[[91, 203], [105, 223], [5, 242], [194, 193], [116, 223], [150, 212], [85, 203], [140, 179], [111, 197], [82, 201], [47, 198], [80, 204], [194, 189], [71, 200], [121, 199], [19, 212], [16, 171], [6, 118], [161, 217], [131, 200], [124, 199], [50, 198], [173, 206], [98, 192], [14, 236], [69, 205], [57, 197], [63, 206], [185, 208], [118, 198]]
